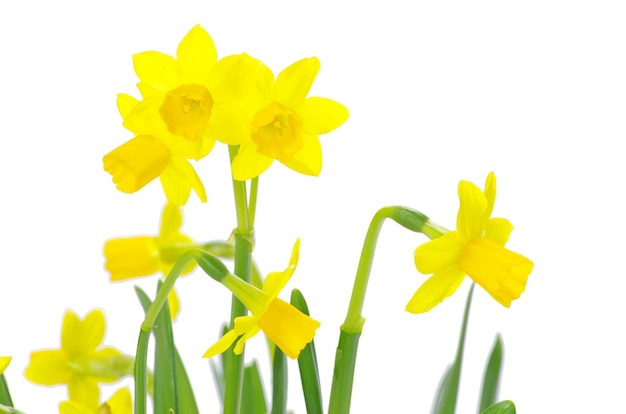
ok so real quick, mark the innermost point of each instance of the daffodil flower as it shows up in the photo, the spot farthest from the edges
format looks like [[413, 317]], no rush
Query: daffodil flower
[[119, 403], [476, 249], [138, 256], [188, 103], [286, 124], [81, 363], [290, 329], [4, 363]]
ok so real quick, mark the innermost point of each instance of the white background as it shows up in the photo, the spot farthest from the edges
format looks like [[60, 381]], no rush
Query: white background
[[437, 92]]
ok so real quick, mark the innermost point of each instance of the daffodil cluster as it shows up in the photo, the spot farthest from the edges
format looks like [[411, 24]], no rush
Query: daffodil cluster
[[190, 101]]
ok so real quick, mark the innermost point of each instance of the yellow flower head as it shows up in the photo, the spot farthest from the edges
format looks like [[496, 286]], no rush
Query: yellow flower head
[[188, 102], [80, 363], [138, 256], [286, 124], [290, 329], [4, 363], [476, 249], [119, 403]]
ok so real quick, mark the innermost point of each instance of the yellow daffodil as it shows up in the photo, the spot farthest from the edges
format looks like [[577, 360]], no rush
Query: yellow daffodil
[[476, 249], [81, 363], [138, 256], [119, 403], [290, 329], [286, 124], [4, 363], [188, 102]]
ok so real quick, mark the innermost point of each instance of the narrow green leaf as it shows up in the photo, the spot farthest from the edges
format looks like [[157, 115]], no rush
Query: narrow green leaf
[[279, 382], [446, 396], [491, 377], [502, 407], [5, 395], [443, 390], [181, 387], [165, 396], [141, 356], [253, 401], [307, 364], [218, 370]]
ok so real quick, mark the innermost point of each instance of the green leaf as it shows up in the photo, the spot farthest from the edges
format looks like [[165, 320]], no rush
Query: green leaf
[[218, 370], [279, 382], [5, 395], [447, 392], [253, 401], [502, 407], [307, 364], [491, 376], [171, 383]]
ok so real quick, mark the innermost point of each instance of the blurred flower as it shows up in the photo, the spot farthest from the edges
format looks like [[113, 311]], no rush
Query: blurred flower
[[119, 403], [188, 102], [80, 363], [138, 256], [475, 249], [4, 363], [286, 124], [290, 329]]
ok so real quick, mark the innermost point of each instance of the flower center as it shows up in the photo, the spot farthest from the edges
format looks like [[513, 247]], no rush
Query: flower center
[[186, 110], [276, 130]]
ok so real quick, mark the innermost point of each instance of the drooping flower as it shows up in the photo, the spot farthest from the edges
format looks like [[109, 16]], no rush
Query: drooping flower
[[188, 102], [476, 249], [119, 403], [290, 329], [81, 363], [286, 124], [4, 363], [138, 256]]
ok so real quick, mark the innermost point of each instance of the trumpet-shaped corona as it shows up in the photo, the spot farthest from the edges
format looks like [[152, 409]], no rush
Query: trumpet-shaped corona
[[476, 249], [119, 403], [290, 329]]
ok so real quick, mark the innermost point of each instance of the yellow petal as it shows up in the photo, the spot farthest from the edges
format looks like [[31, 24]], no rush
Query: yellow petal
[[48, 367], [84, 391], [233, 77], [71, 407], [251, 332], [121, 402], [472, 207], [131, 257], [171, 219], [501, 272], [229, 124], [158, 70], [439, 253], [321, 115], [290, 329], [242, 324], [276, 281], [293, 83], [196, 56], [174, 303], [435, 290], [263, 92], [490, 193], [125, 104], [498, 230], [308, 160], [106, 365], [81, 338], [4, 363], [148, 91], [178, 179], [144, 118], [136, 162], [248, 163]]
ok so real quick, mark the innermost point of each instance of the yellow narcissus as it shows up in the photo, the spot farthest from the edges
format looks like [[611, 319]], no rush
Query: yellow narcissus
[[475, 249]]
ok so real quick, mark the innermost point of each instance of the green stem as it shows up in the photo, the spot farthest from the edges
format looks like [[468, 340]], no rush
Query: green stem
[[345, 356], [279, 383], [254, 189], [243, 257], [458, 360]]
